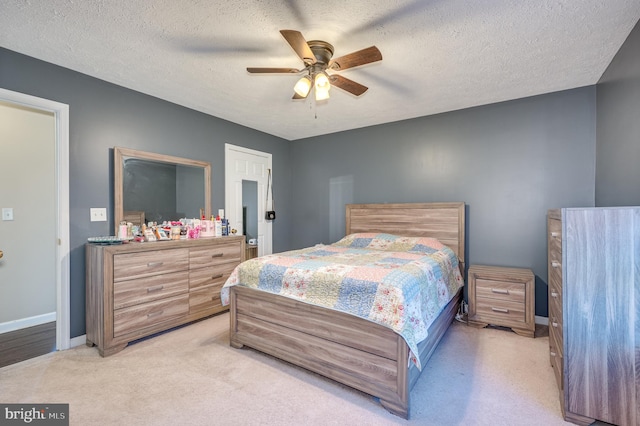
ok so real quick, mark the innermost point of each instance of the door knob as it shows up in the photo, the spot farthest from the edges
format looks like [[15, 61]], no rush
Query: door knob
[[1, 254]]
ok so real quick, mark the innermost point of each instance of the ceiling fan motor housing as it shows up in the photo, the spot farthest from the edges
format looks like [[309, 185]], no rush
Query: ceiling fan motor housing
[[322, 50]]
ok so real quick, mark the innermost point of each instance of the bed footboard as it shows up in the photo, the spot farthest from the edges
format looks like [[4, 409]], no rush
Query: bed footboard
[[353, 351]]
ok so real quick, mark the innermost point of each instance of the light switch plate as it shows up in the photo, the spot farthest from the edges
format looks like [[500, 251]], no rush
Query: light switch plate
[[98, 214], [7, 213]]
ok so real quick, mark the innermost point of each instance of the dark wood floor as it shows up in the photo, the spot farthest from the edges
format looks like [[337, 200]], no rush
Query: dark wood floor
[[20, 345]]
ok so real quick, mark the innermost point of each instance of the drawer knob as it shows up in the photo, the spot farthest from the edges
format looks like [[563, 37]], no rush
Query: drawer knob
[[156, 288], [555, 324], [555, 234], [555, 264], [554, 294], [501, 310], [217, 255], [553, 354], [217, 276], [154, 264], [154, 314], [499, 291]]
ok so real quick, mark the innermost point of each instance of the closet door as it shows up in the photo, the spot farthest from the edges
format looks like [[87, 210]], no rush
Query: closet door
[[601, 315]]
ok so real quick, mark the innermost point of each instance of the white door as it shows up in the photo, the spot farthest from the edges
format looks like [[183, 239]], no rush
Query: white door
[[34, 229], [243, 164]]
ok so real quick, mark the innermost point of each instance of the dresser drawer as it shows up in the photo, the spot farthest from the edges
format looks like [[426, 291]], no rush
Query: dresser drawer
[[555, 270], [210, 275], [500, 312], [555, 357], [207, 298], [138, 317], [143, 290], [556, 333], [507, 291], [143, 264], [554, 228], [215, 255]]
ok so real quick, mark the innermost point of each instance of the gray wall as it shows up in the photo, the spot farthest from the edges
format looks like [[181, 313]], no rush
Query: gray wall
[[618, 128], [510, 162], [103, 115]]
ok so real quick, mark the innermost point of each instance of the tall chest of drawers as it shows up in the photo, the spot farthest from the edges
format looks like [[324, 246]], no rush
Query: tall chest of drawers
[[594, 312], [138, 289]]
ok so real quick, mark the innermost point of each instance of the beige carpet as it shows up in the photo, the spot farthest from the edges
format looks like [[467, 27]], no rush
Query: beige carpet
[[191, 376]]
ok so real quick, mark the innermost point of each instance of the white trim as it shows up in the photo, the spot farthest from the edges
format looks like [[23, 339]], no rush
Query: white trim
[[542, 320], [78, 341], [19, 324], [231, 195], [61, 112]]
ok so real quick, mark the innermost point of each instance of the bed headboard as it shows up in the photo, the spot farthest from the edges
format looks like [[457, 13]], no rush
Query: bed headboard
[[444, 221]]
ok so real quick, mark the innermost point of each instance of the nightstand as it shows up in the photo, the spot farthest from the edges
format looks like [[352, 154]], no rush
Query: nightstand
[[502, 296], [251, 251]]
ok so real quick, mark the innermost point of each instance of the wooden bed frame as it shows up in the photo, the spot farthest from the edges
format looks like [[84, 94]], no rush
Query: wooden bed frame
[[353, 351]]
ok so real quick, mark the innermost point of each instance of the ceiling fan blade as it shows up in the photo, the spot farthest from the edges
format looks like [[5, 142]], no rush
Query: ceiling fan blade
[[272, 70], [347, 85], [299, 45], [355, 59]]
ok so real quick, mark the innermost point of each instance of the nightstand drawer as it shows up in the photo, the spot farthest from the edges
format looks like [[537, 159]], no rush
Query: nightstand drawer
[[512, 292], [499, 311]]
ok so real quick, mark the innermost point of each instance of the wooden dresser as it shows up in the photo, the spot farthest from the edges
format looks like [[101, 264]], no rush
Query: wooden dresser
[[138, 289], [502, 296], [594, 312]]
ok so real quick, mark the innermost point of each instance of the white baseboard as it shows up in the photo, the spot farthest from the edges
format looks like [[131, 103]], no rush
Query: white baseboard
[[78, 341], [542, 320], [19, 324]]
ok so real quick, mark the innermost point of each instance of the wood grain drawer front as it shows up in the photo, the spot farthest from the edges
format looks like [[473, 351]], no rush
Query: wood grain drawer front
[[555, 333], [501, 290], [204, 299], [143, 264], [554, 227], [555, 269], [143, 290], [211, 275], [215, 255], [138, 317], [555, 357], [500, 311]]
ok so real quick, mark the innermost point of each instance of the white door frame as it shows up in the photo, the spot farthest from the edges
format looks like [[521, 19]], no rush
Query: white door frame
[[61, 114], [233, 194]]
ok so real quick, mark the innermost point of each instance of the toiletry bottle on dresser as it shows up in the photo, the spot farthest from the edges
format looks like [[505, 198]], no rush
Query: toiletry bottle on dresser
[[218, 227]]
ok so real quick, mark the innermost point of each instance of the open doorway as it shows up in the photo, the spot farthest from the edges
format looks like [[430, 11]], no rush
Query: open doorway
[[23, 321]]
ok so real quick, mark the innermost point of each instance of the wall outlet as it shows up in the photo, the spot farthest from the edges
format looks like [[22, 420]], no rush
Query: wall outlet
[[7, 213], [98, 214]]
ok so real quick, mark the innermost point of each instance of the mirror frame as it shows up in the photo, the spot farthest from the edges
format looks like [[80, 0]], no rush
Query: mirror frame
[[119, 153]]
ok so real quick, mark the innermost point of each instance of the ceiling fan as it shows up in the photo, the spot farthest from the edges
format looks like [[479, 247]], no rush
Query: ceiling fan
[[316, 55]]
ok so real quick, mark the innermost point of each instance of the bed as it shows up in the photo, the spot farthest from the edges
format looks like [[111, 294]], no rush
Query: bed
[[357, 352]]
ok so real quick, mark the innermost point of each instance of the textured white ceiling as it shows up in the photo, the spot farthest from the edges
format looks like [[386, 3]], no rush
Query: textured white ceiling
[[438, 55]]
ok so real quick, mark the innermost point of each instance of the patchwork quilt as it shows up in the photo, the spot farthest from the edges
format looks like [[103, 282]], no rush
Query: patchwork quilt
[[400, 282]]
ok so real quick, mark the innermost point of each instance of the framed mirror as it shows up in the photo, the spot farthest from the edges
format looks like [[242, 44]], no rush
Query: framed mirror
[[156, 187]]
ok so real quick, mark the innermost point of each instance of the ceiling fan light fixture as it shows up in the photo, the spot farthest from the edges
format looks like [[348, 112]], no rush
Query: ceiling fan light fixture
[[303, 86], [322, 86]]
